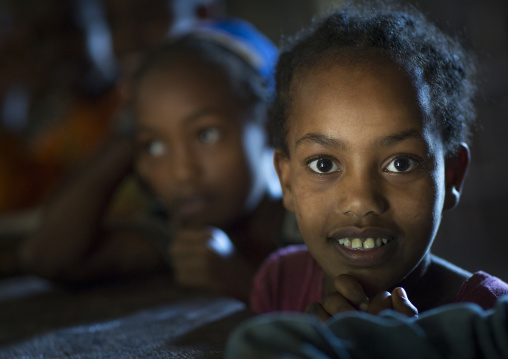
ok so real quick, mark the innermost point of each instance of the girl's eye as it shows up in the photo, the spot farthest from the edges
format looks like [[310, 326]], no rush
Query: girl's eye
[[401, 165], [323, 165], [155, 148], [209, 135]]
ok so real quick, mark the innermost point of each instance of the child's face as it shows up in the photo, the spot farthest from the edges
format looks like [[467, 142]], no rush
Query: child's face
[[196, 150], [363, 171]]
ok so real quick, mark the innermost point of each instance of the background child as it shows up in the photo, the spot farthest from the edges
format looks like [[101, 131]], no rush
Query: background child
[[200, 107], [372, 111]]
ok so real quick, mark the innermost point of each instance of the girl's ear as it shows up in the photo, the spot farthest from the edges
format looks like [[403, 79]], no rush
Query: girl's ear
[[282, 167], [455, 172]]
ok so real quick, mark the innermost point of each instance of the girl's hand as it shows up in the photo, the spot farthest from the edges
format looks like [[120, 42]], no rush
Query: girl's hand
[[350, 295], [197, 255], [396, 300]]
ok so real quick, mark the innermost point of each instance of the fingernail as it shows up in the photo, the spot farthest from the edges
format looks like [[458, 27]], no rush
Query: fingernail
[[401, 293], [364, 306]]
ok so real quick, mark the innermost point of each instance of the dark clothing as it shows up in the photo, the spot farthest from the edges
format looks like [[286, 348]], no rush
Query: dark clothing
[[458, 331]]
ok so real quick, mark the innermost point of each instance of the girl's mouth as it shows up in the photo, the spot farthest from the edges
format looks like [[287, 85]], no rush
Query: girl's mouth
[[363, 243], [364, 247], [192, 205]]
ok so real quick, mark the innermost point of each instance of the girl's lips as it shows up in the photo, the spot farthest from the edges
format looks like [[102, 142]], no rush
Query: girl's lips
[[364, 248], [192, 205], [363, 257]]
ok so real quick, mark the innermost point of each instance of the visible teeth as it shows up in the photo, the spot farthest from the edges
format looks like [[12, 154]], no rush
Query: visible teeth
[[369, 243], [356, 243]]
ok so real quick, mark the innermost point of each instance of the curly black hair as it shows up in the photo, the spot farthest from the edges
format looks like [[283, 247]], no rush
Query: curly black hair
[[406, 37]]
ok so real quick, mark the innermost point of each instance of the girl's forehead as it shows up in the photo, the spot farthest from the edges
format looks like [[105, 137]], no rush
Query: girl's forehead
[[354, 95], [181, 76], [370, 81], [182, 92]]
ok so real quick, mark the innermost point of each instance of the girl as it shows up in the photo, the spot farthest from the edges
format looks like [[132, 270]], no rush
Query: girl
[[200, 140], [371, 117]]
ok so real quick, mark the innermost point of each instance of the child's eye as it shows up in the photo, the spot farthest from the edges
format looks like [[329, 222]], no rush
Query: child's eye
[[154, 148], [401, 165], [209, 135], [323, 165]]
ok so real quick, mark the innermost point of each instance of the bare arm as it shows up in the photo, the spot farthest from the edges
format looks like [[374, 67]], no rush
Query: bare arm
[[71, 244]]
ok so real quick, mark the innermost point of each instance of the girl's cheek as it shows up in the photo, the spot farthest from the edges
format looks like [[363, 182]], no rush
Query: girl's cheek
[[150, 172], [141, 167]]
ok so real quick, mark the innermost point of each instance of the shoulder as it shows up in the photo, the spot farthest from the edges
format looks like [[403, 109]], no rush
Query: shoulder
[[289, 255], [287, 280], [483, 289], [291, 259]]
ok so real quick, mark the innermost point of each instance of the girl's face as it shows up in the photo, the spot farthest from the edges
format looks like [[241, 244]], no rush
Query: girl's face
[[196, 149], [365, 174]]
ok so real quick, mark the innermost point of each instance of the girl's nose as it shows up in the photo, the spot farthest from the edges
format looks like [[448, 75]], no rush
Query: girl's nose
[[361, 195], [186, 164]]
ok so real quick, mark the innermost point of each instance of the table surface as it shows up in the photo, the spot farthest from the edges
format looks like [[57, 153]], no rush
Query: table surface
[[146, 317]]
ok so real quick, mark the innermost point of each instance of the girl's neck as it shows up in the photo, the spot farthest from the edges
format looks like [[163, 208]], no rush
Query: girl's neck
[[434, 282]]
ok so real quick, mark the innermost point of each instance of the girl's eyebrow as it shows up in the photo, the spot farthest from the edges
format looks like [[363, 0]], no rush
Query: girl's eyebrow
[[320, 139], [328, 141], [207, 111], [188, 119], [399, 137]]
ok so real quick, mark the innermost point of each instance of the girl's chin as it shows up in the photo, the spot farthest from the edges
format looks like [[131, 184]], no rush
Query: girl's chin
[[372, 283]]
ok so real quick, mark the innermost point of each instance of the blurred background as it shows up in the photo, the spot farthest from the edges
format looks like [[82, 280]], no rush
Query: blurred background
[[64, 65]]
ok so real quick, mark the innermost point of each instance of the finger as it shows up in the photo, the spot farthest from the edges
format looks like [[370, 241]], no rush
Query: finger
[[188, 245], [379, 302], [188, 235], [335, 303], [191, 263], [220, 243], [402, 304], [178, 221], [193, 278], [317, 309], [185, 250], [352, 291], [190, 266], [209, 240]]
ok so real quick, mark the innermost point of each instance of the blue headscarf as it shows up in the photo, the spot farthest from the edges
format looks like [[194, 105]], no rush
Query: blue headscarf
[[242, 38]]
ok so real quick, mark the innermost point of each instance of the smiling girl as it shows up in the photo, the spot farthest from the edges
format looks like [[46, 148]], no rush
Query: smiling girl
[[371, 117]]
